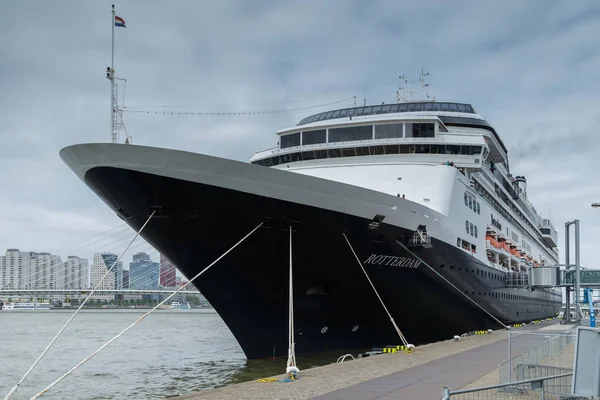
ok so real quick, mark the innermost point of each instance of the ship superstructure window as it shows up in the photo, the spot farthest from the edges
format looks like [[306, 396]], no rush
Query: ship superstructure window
[[420, 130], [389, 108], [351, 133], [290, 140], [472, 203], [386, 131], [314, 137], [360, 151], [471, 229]]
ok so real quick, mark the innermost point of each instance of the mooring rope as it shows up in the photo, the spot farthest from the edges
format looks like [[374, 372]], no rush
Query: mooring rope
[[291, 362], [451, 284], [402, 338], [38, 395], [14, 389]]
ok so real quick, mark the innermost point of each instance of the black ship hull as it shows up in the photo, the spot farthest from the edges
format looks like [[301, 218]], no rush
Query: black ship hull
[[334, 305]]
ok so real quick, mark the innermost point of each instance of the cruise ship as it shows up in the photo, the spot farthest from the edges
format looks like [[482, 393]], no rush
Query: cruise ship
[[419, 194]]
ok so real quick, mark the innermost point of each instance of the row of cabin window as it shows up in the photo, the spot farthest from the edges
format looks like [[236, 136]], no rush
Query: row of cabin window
[[388, 108], [472, 203], [496, 205], [471, 229], [369, 151], [466, 245], [513, 200], [354, 133]]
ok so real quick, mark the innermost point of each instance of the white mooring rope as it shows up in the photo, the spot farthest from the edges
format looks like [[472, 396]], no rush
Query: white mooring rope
[[14, 389], [451, 284], [402, 338], [40, 394], [292, 368]]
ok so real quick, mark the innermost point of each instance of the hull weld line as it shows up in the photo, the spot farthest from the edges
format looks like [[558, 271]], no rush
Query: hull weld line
[[145, 315], [451, 284], [402, 338]]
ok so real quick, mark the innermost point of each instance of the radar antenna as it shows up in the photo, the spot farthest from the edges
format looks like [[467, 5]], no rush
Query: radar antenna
[[403, 91]]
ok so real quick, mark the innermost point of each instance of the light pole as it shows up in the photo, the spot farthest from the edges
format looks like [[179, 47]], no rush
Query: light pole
[[577, 268]]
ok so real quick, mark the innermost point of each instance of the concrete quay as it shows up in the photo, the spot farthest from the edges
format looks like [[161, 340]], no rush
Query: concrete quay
[[415, 376]]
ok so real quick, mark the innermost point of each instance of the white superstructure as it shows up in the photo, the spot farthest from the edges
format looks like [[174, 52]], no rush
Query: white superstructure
[[442, 156]]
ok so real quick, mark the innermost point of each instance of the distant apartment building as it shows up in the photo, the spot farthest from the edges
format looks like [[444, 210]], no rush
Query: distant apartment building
[[98, 270], [76, 273], [45, 271], [143, 272], [32, 270], [168, 273], [14, 270]]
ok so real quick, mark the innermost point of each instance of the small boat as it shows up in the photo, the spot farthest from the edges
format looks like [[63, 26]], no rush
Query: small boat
[[179, 306], [26, 306]]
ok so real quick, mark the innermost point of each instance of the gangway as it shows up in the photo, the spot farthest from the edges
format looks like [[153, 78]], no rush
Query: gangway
[[548, 277]]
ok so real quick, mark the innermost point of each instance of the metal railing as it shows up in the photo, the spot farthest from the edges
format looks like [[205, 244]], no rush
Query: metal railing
[[552, 356], [547, 388]]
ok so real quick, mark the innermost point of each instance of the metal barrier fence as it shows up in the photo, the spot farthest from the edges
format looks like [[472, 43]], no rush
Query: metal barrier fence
[[554, 355], [548, 388]]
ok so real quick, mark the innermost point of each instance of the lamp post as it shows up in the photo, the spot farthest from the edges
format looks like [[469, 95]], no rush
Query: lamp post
[[577, 269]]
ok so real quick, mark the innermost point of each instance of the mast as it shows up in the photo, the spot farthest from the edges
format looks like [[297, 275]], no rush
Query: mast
[[111, 77]]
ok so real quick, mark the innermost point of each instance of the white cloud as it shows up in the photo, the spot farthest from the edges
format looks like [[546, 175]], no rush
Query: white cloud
[[531, 72]]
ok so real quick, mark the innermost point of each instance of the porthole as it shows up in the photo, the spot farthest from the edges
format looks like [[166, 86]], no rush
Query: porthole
[[355, 328], [324, 329]]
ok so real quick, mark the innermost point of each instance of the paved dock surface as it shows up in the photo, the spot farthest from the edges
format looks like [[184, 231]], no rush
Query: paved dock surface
[[420, 375]]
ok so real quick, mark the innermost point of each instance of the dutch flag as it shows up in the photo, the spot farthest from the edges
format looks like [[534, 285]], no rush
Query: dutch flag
[[119, 22]]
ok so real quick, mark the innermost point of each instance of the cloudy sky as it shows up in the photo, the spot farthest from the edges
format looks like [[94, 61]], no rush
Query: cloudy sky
[[530, 68]]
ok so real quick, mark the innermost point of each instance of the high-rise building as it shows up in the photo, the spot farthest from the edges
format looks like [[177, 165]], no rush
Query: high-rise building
[[143, 272], [15, 268], [168, 273], [125, 279], [76, 273], [117, 270], [45, 271], [98, 270], [32, 270]]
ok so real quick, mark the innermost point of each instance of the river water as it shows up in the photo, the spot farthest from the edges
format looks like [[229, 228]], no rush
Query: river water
[[168, 353]]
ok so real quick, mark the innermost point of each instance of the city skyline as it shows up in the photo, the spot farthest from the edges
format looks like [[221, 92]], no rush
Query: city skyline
[[42, 270]]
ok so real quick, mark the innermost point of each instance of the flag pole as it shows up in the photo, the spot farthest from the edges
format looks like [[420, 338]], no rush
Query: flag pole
[[112, 78], [112, 53]]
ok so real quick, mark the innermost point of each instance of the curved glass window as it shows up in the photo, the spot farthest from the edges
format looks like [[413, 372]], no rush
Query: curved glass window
[[466, 200], [475, 228], [314, 137], [390, 108], [467, 226], [290, 140], [351, 133]]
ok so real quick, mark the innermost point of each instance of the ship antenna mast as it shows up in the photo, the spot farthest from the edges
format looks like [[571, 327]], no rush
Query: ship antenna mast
[[116, 113], [402, 92]]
